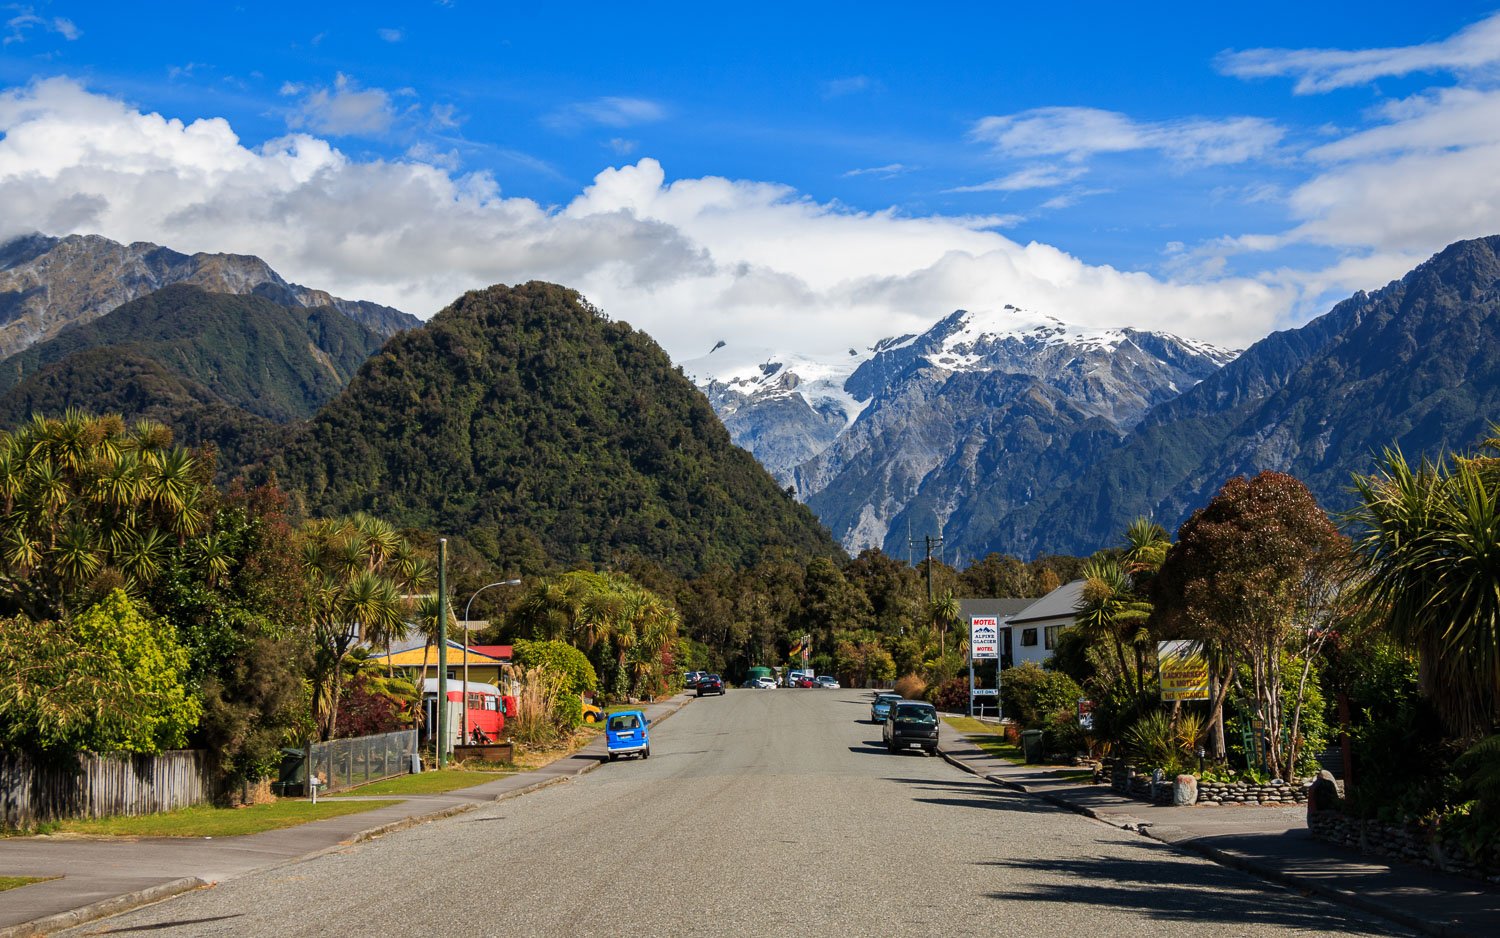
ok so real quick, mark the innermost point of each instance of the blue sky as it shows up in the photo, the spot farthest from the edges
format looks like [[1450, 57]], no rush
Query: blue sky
[[785, 174]]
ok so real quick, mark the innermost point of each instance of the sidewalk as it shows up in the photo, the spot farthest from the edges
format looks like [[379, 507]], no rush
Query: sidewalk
[[106, 876], [1272, 843]]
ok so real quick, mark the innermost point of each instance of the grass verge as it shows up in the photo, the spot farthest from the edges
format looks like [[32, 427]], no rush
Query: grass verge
[[219, 822], [12, 882], [428, 783], [988, 737]]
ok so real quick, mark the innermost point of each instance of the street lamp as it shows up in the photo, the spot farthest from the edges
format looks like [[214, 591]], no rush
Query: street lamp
[[467, 607]]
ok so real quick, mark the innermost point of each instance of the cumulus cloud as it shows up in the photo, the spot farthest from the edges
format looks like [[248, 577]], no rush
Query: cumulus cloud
[[343, 110], [691, 261], [1477, 47], [1076, 133], [605, 112]]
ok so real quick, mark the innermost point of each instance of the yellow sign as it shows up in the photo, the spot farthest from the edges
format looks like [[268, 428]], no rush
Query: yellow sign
[[1183, 670]]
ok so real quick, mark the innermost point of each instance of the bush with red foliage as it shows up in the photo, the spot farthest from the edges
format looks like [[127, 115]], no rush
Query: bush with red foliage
[[364, 713]]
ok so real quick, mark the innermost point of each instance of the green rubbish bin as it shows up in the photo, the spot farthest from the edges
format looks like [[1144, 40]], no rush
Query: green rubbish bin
[[289, 777], [1031, 744]]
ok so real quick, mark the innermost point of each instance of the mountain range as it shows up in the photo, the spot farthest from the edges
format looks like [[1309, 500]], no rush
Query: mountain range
[[1011, 432], [48, 285], [525, 419]]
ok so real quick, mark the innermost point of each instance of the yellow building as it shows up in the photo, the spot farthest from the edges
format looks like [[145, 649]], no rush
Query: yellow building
[[488, 664]]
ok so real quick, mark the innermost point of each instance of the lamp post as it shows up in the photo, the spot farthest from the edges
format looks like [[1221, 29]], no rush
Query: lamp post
[[467, 606]]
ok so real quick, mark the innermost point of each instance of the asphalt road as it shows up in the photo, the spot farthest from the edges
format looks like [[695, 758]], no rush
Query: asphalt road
[[758, 813]]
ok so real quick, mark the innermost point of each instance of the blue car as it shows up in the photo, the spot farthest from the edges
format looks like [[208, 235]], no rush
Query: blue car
[[626, 733], [881, 707]]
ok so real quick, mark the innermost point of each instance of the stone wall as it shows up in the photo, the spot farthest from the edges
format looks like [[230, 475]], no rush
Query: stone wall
[[1413, 843], [1126, 781]]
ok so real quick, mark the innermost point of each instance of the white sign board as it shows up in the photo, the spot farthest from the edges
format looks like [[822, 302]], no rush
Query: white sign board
[[984, 637], [986, 692]]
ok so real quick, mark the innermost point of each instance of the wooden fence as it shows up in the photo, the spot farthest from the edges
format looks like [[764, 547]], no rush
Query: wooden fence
[[102, 785]]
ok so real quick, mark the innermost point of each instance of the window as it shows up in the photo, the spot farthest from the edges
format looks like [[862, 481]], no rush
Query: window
[[1028, 637], [491, 703], [1049, 637]]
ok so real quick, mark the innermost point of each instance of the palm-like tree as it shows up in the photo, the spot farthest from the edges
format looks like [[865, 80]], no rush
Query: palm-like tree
[[943, 612], [1430, 555]]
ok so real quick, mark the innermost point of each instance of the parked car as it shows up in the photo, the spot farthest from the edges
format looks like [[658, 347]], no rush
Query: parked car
[[805, 682], [591, 713], [828, 681], [711, 684], [690, 682], [627, 733], [751, 682], [880, 707], [765, 682], [911, 723]]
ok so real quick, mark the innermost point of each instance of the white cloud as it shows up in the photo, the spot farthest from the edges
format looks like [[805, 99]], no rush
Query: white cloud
[[26, 20], [622, 146], [690, 261], [605, 112], [1076, 133], [342, 110], [1474, 48], [390, 35], [885, 172], [839, 87], [1032, 177]]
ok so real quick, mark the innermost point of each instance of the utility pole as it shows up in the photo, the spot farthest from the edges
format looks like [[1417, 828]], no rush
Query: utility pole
[[442, 695], [927, 543]]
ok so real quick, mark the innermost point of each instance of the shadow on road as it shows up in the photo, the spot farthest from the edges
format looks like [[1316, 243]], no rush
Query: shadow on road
[[1190, 893], [976, 794], [877, 748], [160, 925]]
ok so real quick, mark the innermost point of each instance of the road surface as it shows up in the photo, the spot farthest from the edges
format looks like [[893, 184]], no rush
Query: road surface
[[763, 812]]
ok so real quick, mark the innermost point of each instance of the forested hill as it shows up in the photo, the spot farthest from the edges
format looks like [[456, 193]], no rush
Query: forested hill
[[277, 362], [525, 421]]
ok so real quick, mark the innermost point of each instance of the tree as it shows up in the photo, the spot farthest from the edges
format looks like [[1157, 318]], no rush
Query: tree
[[363, 582], [1110, 612], [1246, 574], [1429, 551], [90, 505]]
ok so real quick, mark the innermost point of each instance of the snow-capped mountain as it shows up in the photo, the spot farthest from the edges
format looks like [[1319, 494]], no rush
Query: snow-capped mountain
[[986, 404]]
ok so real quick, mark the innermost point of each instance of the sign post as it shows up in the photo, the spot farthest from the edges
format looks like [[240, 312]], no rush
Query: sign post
[[984, 643], [1183, 670]]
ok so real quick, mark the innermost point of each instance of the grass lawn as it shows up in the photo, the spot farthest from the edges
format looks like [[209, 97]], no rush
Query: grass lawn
[[11, 882], [989, 737], [428, 783], [220, 822]]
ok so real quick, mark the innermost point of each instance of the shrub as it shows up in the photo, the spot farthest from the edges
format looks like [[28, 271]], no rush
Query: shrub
[[1030, 695], [911, 687], [535, 723], [952, 696], [567, 712], [1063, 734], [560, 657]]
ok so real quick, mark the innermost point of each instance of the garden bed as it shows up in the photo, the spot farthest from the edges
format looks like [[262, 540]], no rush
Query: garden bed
[[1126, 781]]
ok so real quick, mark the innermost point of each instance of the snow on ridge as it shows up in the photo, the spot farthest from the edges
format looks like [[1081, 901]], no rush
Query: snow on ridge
[[761, 371]]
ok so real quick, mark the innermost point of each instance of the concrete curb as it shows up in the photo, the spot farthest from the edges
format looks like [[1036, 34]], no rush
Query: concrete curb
[[1234, 861], [102, 909]]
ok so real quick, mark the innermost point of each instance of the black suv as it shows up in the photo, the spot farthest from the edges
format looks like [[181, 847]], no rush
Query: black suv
[[710, 684], [911, 723]]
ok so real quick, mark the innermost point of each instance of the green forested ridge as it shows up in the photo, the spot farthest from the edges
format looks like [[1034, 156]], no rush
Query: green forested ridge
[[110, 379], [527, 422], [277, 362]]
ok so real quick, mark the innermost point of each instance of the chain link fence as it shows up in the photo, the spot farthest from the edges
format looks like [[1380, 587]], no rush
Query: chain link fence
[[346, 763]]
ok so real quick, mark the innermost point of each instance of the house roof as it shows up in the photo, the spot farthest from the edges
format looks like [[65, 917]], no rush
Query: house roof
[[1061, 603], [968, 608], [412, 657], [494, 651]]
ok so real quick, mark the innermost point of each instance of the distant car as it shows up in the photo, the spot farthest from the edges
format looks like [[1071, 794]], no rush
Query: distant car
[[626, 733], [690, 682], [765, 682], [911, 723], [825, 680], [592, 714], [805, 682], [880, 707], [751, 682], [711, 684]]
